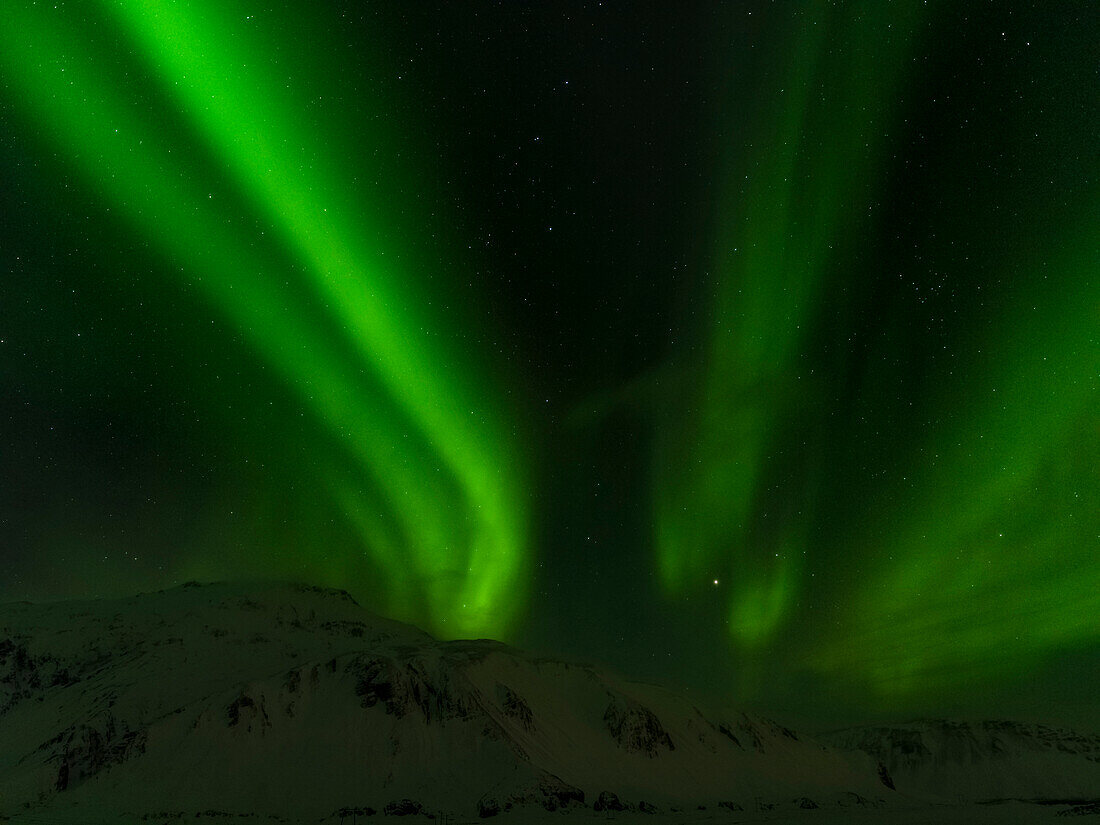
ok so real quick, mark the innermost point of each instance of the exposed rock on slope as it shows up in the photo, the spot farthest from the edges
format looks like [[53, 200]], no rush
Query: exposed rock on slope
[[635, 729]]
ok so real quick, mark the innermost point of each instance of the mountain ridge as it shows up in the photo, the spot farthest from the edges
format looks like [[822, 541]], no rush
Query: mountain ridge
[[295, 701], [300, 692]]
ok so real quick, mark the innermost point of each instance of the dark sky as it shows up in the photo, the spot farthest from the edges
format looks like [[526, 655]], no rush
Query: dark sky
[[749, 346]]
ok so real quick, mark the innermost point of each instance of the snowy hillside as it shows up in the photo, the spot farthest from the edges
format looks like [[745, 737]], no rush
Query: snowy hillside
[[961, 761], [295, 701]]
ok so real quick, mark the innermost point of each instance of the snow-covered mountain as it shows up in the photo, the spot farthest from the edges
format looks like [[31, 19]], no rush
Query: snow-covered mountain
[[972, 761], [295, 701]]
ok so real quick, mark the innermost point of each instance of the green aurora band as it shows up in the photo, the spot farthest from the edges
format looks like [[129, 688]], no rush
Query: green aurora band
[[982, 535], [987, 546], [896, 524], [782, 235], [439, 500]]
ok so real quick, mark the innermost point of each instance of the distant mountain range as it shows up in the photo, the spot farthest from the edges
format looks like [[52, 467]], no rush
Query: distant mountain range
[[288, 701], [980, 761]]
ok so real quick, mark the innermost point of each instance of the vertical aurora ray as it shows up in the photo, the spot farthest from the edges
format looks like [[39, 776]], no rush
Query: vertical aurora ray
[[440, 498], [790, 216], [939, 475]]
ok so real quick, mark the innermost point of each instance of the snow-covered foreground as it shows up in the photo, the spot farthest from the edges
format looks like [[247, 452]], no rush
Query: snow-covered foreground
[[285, 703], [1009, 813]]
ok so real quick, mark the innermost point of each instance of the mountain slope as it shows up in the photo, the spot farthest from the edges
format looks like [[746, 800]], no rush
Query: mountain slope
[[975, 761], [295, 701]]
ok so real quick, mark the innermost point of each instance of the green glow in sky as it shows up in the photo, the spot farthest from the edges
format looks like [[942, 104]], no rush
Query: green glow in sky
[[986, 558], [788, 216], [749, 345], [958, 551], [440, 499]]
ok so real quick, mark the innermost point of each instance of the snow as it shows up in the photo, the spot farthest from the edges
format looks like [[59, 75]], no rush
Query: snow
[[964, 761], [279, 702]]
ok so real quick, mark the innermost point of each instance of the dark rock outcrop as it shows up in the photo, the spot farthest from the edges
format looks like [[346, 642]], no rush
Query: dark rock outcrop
[[1090, 809], [248, 713], [884, 777], [409, 685], [549, 793], [344, 813], [635, 728], [515, 707], [403, 807], [608, 801], [82, 751]]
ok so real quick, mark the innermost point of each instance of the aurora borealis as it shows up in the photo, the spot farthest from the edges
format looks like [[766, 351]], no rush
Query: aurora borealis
[[442, 510], [752, 346]]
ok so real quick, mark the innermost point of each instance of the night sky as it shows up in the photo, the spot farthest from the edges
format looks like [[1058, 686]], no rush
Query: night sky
[[748, 346]]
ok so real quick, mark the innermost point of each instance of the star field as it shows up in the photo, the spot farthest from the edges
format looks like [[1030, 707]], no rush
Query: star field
[[750, 346]]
